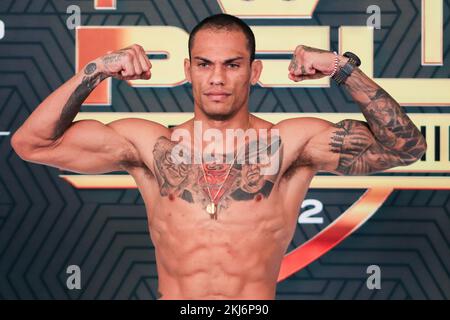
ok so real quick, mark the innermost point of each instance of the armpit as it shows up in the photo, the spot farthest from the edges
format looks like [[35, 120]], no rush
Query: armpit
[[303, 160], [130, 158]]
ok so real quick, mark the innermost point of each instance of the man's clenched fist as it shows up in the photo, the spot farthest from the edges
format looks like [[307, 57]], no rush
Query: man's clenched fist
[[126, 64], [311, 63]]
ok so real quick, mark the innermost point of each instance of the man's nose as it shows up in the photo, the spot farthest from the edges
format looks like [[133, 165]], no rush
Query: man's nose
[[217, 76]]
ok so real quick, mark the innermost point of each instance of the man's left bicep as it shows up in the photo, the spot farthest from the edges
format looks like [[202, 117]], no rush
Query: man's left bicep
[[350, 148], [354, 150], [352, 141], [375, 158]]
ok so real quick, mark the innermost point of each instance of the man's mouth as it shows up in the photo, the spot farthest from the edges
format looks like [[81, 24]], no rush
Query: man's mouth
[[217, 95]]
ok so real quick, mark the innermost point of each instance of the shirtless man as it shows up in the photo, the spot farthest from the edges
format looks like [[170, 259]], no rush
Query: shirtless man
[[232, 251]]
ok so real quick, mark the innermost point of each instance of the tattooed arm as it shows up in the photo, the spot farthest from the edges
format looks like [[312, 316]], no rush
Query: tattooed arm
[[388, 138], [49, 135]]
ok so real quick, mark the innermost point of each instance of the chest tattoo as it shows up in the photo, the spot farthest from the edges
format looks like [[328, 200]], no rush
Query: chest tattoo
[[220, 182]]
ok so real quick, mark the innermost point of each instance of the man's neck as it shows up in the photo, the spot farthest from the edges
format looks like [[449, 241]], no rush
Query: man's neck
[[201, 123], [241, 120]]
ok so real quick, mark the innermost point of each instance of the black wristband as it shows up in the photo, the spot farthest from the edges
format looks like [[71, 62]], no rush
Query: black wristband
[[347, 69]]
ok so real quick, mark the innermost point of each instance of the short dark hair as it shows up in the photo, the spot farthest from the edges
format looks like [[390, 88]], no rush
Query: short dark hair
[[226, 22]]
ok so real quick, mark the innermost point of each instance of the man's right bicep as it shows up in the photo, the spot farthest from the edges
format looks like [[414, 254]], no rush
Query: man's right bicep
[[87, 146]]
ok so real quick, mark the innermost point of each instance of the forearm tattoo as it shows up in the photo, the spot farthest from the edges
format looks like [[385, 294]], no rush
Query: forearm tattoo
[[187, 181], [90, 80], [388, 138], [112, 58]]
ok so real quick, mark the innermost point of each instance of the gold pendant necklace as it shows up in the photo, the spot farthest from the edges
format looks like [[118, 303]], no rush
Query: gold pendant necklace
[[212, 207]]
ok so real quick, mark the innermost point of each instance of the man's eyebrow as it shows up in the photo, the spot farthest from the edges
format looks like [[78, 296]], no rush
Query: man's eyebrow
[[226, 61], [233, 59], [203, 59]]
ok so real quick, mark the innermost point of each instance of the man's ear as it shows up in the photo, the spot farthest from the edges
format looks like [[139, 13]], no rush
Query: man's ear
[[257, 67], [187, 69]]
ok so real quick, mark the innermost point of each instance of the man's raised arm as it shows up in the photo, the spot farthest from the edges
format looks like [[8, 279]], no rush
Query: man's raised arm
[[49, 135], [388, 139]]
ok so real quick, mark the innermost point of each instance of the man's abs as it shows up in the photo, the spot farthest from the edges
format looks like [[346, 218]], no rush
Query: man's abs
[[236, 256]]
